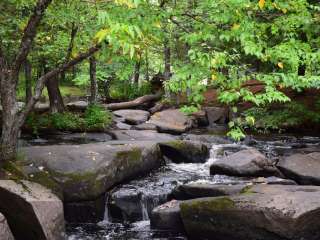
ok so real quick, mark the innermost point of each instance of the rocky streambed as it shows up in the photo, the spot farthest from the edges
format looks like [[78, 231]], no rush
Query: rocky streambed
[[149, 185]]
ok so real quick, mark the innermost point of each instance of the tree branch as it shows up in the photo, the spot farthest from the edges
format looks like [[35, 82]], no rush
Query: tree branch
[[29, 34], [43, 79]]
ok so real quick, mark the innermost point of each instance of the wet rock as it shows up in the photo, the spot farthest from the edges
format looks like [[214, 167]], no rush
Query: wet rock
[[145, 126], [134, 117], [216, 115], [145, 135], [167, 217], [246, 163], [185, 151], [201, 118], [303, 168], [171, 121], [85, 172], [32, 211], [85, 211], [125, 205], [199, 190], [78, 105], [5, 231], [275, 212]]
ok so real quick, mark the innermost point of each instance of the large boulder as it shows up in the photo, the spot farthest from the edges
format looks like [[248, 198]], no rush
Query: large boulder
[[172, 121], [200, 190], [85, 172], [261, 212], [303, 168], [134, 117], [5, 231], [167, 217], [145, 135], [245, 163], [216, 115], [32, 211], [185, 151]]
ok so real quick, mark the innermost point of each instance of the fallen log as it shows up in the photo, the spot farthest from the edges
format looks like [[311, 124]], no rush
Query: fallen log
[[134, 103]]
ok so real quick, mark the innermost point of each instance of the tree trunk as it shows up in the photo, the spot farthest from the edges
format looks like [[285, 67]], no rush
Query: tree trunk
[[10, 122], [167, 61], [136, 72], [147, 68], [28, 79], [93, 81], [55, 98]]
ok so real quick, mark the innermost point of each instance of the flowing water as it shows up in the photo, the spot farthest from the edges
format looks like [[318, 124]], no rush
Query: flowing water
[[128, 206]]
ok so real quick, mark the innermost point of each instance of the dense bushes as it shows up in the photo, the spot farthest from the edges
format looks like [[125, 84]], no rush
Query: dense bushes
[[95, 118]]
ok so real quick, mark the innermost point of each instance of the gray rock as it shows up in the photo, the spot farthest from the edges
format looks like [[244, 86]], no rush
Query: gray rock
[[167, 217], [303, 168], [273, 180], [78, 105], [216, 115], [145, 126], [172, 121], [185, 151], [123, 126], [276, 212], [134, 117], [207, 138], [85, 172], [200, 190], [145, 135], [246, 163], [5, 231], [32, 211], [82, 137]]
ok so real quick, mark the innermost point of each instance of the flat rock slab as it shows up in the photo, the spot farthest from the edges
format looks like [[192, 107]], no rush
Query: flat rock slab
[[276, 212], [145, 135], [145, 126], [200, 190], [167, 217], [245, 163], [32, 211], [5, 231], [134, 117], [85, 172], [303, 168], [207, 138], [171, 121]]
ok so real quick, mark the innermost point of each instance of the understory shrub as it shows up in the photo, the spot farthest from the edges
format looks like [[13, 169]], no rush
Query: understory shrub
[[95, 118]]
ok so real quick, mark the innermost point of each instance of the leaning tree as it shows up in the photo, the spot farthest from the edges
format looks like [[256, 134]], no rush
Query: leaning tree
[[12, 60]]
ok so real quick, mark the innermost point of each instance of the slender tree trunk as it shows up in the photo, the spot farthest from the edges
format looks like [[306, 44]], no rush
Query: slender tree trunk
[[10, 125], [136, 74], [147, 68], [28, 79], [55, 98], [93, 80], [167, 61]]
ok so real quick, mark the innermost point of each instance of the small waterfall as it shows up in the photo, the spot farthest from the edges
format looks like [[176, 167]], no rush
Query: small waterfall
[[144, 207], [107, 218]]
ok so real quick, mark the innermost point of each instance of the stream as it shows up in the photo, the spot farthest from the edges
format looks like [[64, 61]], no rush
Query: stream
[[128, 206]]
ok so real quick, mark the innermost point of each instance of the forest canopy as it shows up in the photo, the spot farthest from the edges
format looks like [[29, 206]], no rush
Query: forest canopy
[[228, 45]]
